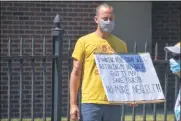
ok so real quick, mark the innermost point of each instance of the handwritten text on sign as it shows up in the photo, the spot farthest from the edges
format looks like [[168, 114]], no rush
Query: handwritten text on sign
[[130, 77]]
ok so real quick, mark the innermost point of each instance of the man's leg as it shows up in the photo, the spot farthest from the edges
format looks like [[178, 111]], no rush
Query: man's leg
[[112, 113], [91, 112]]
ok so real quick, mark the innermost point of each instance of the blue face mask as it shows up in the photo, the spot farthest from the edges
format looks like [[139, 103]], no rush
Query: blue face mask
[[175, 65]]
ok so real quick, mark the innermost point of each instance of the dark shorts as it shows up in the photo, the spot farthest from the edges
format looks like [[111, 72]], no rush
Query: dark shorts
[[99, 112]]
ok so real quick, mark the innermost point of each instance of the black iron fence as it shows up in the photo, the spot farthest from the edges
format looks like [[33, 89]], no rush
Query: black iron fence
[[161, 67], [56, 66]]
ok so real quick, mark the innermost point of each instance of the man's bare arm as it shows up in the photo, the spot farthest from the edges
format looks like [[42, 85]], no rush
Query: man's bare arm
[[75, 81]]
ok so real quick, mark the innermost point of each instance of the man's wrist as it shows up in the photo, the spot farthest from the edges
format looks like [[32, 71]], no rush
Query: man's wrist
[[73, 103]]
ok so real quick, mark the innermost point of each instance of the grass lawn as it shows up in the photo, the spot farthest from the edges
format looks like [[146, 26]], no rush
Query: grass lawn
[[170, 117]]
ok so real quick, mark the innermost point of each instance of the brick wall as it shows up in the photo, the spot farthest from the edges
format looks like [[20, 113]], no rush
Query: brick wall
[[166, 18], [35, 19]]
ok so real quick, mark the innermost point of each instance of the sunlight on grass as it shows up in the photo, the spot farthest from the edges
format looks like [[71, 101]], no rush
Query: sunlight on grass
[[159, 117]]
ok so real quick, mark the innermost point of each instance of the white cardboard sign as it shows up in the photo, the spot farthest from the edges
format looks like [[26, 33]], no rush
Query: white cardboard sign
[[129, 77]]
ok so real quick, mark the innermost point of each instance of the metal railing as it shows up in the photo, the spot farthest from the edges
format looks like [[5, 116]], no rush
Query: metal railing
[[56, 60], [21, 58]]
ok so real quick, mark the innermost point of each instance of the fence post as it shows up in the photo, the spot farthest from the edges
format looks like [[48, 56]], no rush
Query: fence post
[[57, 36]]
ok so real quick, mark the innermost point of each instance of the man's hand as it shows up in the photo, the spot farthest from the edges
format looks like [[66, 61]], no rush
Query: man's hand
[[74, 113], [133, 104]]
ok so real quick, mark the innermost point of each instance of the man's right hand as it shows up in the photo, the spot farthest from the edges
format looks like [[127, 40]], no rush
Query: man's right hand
[[74, 113]]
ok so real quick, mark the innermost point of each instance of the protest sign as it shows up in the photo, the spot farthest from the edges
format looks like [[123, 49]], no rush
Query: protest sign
[[129, 78]]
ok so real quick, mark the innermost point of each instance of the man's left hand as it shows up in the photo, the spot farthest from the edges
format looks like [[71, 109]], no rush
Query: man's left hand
[[134, 104]]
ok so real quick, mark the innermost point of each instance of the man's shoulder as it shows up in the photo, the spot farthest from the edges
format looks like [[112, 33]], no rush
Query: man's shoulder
[[85, 37], [115, 38]]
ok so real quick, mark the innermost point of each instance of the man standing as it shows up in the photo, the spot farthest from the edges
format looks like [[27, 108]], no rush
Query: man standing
[[94, 103], [175, 68]]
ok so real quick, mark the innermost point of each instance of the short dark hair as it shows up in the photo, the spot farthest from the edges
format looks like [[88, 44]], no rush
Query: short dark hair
[[103, 5]]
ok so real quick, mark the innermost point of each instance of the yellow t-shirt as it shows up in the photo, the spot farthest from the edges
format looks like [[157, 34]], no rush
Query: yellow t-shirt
[[92, 88]]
